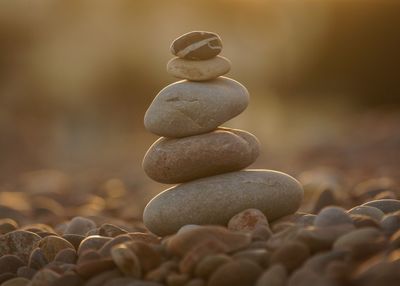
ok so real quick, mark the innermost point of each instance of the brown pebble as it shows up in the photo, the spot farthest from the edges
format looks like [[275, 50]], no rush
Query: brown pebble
[[17, 281], [7, 225], [180, 244], [79, 225], [247, 220], [88, 256], [67, 255], [148, 256], [110, 230], [126, 260], [276, 275], [385, 205], [52, 244], [19, 243], [178, 160], [209, 264], [193, 256], [74, 239], [236, 273], [105, 250], [10, 263], [197, 45], [93, 242], [291, 255], [37, 259]]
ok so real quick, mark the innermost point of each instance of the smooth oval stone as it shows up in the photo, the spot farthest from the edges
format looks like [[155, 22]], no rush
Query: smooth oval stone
[[331, 216], [171, 160], [372, 212], [198, 70], [52, 244], [385, 205], [197, 45], [214, 200], [390, 223], [187, 108]]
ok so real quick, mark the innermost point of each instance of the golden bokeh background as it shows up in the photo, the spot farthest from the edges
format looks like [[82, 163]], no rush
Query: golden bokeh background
[[77, 76]]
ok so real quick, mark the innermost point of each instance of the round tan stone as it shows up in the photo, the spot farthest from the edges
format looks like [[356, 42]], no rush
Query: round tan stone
[[198, 70], [214, 200], [197, 45], [187, 108], [52, 244], [171, 160]]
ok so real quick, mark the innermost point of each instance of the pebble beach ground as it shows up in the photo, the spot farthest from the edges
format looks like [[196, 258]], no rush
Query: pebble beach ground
[[343, 235], [57, 231]]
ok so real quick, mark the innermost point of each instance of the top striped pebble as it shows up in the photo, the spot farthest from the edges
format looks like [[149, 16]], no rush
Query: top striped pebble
[[197, 45]]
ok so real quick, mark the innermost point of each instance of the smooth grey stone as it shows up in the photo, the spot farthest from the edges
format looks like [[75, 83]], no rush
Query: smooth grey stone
[[187, 108], [214, 200]]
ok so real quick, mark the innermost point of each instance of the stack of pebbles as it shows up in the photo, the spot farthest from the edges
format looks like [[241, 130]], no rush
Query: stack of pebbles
[[206, 160]]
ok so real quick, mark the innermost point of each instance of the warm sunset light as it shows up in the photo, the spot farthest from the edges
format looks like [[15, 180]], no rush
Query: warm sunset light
[[200, 143]]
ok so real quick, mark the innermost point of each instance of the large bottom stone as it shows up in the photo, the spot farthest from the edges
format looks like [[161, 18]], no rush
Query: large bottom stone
[[214, 200]]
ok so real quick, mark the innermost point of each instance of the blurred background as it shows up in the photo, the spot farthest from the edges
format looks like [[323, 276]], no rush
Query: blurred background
[[76, 78]]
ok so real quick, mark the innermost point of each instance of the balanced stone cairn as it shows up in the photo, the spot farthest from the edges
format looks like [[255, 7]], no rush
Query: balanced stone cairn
[[206, 160]]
